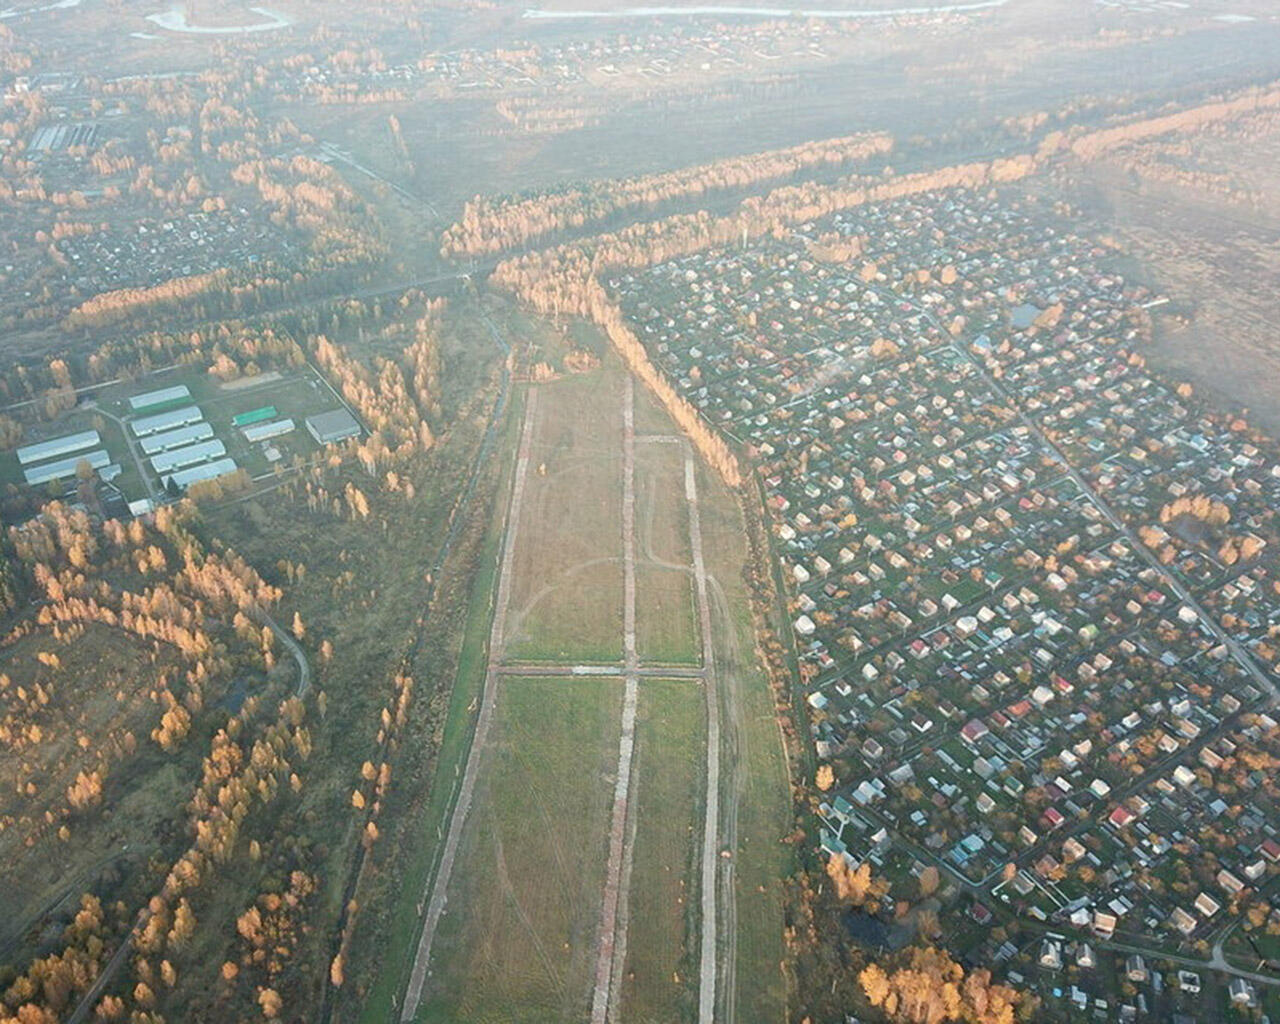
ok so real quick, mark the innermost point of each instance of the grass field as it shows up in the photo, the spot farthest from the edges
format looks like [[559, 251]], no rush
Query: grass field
[[518, 938], [651, 418], [516, 944], [660, 979], [665, 619], [566, 595], [665, 630], [761, 861]]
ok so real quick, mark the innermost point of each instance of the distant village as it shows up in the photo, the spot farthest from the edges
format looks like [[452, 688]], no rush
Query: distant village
[[1032, 584]]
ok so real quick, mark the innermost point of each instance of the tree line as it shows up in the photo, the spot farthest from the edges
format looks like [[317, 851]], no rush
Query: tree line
[[492, 225]]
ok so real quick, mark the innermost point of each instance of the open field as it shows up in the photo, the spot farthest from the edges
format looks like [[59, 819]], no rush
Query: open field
[[660, 975], [515, 945], [758, 811], [877, 77], [1207, 238], [665, 627], [643, 866], [665, 630], [566, 596]]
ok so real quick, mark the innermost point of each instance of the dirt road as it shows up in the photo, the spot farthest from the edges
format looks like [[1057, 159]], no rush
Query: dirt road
[[439, 889]]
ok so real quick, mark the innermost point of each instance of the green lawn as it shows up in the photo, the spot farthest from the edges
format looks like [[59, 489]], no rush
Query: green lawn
[[662, 519], [517, 941], [665, 630], [660, 982]]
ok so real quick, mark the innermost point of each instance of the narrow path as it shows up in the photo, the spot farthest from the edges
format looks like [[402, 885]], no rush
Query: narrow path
[[152, 493], [734, 737], [574, 671], [295, 649], [607, 939], [90, 999], [711, 820], [440, 889], [624, 916]]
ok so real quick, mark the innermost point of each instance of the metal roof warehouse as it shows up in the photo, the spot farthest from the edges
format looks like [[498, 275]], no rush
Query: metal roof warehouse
[[262, 431], [155, 443], [58, 446], [66, 467], [166, 421], [333, 426], [186, 477], [189, 456], [162, 397]]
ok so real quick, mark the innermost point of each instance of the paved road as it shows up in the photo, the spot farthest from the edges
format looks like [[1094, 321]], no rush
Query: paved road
[[439, 886]]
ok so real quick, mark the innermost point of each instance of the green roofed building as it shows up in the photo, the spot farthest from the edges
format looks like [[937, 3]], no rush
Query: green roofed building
[[267, 412]]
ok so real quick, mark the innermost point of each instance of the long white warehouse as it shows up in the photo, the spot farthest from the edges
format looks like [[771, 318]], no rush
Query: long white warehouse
[[167, 462], [186, 477], [66, 467], [159, 397], [155, 443], [166, 420], [263, 431], [56, 446]]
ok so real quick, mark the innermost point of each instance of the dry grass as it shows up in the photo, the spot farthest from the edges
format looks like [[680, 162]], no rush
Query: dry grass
[[566, 595], [516, 944]]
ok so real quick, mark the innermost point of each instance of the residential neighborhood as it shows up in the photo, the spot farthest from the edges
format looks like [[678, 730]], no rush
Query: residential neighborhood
[[1031, 583]]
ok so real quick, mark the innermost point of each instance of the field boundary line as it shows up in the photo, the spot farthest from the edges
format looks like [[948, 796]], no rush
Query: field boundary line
[[608, 939]]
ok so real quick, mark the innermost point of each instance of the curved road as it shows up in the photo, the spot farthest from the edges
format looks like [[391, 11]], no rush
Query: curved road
[[295, 649]]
